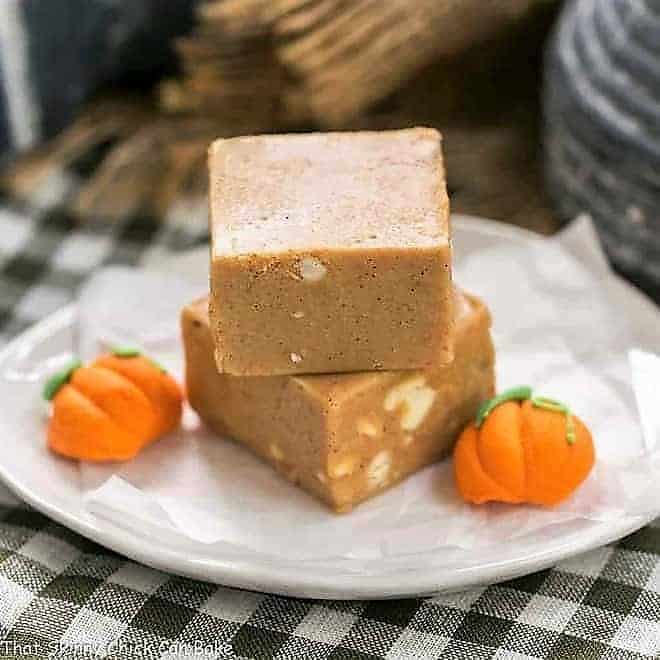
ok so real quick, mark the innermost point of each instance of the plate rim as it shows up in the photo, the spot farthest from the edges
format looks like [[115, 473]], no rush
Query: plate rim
[[291, 579]]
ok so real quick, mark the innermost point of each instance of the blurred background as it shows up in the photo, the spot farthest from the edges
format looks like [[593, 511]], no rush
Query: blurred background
[[548, 108]]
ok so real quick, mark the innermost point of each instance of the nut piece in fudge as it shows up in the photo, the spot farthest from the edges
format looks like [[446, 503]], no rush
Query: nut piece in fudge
[[345, 437], [330, 253]]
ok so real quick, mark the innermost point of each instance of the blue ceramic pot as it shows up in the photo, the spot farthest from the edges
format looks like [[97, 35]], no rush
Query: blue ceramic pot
[[57, 53], [602, 127]]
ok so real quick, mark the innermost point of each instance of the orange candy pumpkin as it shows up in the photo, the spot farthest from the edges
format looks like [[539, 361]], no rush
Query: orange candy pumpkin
[[522, 449], [110, 409]]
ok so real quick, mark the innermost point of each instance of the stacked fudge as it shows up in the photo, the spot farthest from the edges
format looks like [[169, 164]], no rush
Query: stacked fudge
[[333, 343]]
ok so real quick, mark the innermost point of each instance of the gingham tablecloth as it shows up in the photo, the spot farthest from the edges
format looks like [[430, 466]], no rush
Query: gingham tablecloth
[[62, 596]]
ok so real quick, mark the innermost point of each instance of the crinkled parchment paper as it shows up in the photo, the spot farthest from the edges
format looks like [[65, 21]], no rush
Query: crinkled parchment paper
[[559, 324]]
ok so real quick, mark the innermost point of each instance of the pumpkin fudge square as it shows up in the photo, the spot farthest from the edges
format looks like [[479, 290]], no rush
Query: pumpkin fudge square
[[330, 253], [345, 437]]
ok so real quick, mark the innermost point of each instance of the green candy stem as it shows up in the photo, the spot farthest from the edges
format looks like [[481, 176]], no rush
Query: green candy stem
[[520, 393], [524, 393], [557, 406], [128, 352], [57, 380], [125, 352]]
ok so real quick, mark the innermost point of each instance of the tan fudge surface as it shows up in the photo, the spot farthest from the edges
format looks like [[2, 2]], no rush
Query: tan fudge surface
[[330, 252], [344, 438]]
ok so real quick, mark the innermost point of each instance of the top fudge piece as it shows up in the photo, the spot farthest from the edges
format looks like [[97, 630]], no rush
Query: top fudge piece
[[330, 253]]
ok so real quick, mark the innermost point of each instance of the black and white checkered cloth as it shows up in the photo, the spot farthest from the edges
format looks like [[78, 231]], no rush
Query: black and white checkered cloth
[[62, 596]]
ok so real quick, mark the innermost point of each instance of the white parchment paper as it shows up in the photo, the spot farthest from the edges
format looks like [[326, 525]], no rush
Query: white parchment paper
[[560, 324]]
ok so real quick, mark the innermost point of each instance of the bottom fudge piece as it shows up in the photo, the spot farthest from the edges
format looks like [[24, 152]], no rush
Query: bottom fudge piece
[[345, 437]]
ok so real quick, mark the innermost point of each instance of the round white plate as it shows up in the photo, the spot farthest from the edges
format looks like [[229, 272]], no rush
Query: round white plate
[[413, 574]]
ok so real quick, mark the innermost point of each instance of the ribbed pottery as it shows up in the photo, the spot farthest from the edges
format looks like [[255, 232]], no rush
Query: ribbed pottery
[[602, 127]]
